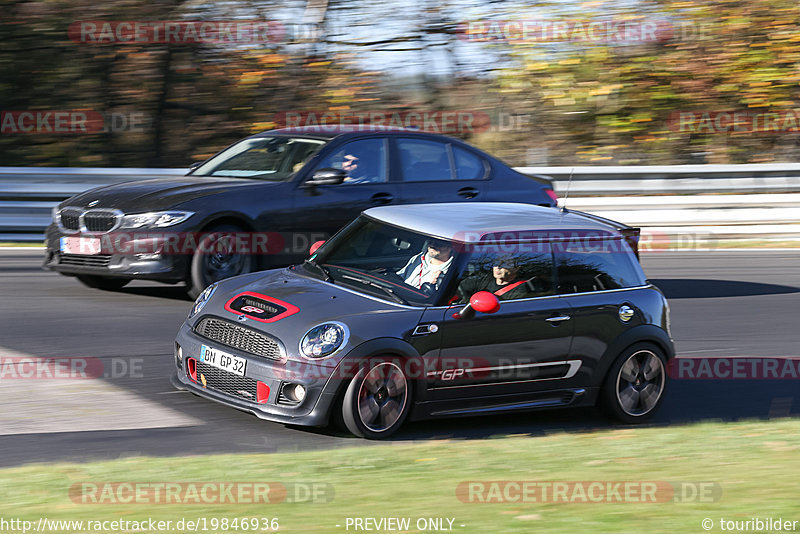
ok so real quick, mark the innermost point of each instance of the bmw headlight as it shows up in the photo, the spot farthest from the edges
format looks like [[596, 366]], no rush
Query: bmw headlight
[[324, 340], [155, 219], [204, 297]]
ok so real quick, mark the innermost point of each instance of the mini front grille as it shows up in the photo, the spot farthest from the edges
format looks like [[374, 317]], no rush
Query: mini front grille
[[70, 219], [99, 221], [97, 260], [239, 337], [227, 383]]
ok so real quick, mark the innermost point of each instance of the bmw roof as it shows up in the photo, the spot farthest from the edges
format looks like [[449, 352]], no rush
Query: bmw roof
[[329, 131], [473, 222]]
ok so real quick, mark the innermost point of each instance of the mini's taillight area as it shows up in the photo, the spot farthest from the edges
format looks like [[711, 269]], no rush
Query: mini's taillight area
[[191, 368], [552, 194], [262, 392]]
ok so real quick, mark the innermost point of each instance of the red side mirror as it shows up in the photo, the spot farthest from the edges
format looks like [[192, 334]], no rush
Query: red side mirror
[[484, 302], [315, 246]]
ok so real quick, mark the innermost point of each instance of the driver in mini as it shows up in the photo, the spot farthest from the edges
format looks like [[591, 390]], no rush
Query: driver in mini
[[426, 270]]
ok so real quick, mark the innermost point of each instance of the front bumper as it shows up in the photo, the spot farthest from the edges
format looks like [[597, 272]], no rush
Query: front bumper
[[313, 410], [134, 257]]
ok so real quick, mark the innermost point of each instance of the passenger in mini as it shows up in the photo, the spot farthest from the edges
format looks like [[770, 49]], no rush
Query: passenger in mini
[[427, 269], [502, 281], [506, 281]]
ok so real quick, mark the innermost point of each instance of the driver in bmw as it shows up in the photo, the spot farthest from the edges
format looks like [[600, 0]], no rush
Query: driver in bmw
[[426, 270]]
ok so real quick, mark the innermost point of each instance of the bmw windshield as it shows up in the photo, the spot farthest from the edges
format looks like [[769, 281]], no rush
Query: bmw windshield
[[263, 158], [385, 261]]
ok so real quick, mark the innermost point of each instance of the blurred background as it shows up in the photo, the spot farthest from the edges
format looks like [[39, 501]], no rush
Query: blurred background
[[614, 82]]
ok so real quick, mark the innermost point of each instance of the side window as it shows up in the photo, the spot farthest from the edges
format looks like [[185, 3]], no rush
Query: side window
[[302, 153], [468, 165], [524, 273], [363, 160], [422, 160], [596, 265], [377, 244]]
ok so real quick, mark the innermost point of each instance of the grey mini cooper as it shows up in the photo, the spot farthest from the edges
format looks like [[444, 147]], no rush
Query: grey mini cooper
[[436, 310]]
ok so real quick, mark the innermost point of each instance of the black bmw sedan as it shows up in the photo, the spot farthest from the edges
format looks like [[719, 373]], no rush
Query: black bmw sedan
[[262, 201]]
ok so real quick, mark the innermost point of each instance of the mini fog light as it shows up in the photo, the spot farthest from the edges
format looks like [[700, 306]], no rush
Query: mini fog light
[[294, 392]]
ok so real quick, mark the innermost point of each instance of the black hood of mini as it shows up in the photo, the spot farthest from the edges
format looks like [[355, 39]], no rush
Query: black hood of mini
[[161, 193]]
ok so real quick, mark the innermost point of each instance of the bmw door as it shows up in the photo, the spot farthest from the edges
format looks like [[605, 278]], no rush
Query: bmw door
[[320, 211], [435, 171]]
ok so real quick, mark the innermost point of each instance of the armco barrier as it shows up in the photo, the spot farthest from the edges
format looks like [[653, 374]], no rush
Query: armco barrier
[[666, 196]]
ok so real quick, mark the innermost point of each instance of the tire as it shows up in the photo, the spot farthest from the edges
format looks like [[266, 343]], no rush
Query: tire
[[377, 400], [635, 384], [103, 282], [215, 259]]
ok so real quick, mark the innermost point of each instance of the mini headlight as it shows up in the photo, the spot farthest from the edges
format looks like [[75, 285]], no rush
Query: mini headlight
[[204, 297], [155, 219], [324, 340], [56, 214]]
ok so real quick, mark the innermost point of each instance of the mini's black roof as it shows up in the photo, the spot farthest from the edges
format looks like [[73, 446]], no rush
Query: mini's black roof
[[470, 222]]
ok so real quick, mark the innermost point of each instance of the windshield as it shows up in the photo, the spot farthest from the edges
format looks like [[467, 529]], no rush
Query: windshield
[[389, 262], [263, 158]]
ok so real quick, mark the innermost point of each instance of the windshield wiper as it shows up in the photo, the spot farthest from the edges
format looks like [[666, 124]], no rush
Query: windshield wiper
[[320, 269], [392, 295]]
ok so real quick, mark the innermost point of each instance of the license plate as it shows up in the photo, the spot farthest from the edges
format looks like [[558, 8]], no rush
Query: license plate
[[222, 360], [87, 246]]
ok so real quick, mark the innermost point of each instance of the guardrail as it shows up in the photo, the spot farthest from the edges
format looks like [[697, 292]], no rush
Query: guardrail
[[765, 200]]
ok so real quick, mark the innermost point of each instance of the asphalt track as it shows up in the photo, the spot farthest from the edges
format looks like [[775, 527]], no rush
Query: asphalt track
[[724, 304]]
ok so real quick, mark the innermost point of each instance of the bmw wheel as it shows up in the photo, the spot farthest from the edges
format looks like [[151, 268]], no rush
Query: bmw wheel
[[216, 258], [635, 385], [377, 400]]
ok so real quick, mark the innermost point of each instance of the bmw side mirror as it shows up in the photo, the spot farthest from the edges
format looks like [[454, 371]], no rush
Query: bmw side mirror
[[326, 177], [482, 301]]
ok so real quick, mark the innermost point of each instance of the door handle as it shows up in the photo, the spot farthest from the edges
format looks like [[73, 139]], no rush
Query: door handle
[[468, 192], [382, 198], [558, 318]]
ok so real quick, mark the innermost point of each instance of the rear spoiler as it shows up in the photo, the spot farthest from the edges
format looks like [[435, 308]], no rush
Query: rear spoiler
[[630, 233]]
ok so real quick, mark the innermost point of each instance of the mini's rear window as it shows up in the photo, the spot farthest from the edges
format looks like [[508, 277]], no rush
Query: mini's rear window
[[596, 265]]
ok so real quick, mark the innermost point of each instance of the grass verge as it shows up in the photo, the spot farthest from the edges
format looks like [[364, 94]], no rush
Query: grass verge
[[752, 467]]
